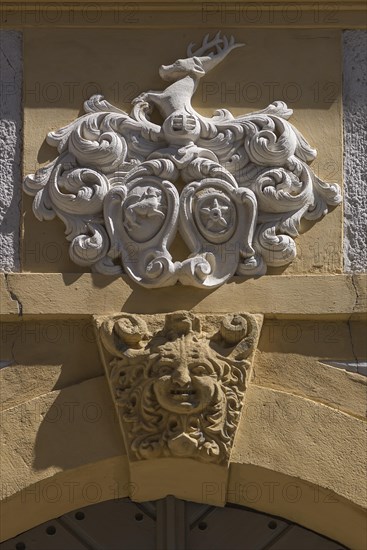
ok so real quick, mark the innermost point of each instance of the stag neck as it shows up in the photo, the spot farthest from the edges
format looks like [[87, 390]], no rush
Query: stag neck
[[177, 96], [208, 63]]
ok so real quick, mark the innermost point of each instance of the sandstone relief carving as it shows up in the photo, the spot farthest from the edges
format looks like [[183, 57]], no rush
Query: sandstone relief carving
[[178, 381], [246, 183]]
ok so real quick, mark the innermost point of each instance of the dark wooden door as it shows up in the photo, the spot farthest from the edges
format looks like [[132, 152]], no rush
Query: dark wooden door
[[167, 524]]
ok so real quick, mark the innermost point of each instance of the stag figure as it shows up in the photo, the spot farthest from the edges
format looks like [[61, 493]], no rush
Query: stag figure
[[181, 124]]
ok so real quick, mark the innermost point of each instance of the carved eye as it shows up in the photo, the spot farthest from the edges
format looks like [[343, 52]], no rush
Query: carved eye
[[165, 369], [162, 369], [199, 370]]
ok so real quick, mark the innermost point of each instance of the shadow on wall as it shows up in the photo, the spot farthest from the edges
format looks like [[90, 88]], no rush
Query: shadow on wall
[[79, 426], [55, 392]]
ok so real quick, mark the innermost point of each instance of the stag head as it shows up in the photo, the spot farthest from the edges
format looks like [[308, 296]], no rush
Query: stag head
[[205, 54], [200, 61]]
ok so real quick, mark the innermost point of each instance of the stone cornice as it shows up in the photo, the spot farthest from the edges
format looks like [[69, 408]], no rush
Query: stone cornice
[[348, 14], [58, 295]]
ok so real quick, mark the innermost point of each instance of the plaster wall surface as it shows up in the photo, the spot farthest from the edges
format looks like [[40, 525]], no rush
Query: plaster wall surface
[[10, 147], [302, 425], [355, 145]]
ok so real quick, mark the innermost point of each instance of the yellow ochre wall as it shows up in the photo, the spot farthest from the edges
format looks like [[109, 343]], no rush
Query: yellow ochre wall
[[300, 448]]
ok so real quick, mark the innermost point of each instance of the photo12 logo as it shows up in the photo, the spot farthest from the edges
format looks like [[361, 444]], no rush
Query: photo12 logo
[[70, 13]]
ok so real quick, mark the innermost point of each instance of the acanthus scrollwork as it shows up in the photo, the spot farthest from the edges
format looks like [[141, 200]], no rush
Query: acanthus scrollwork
[[247, 183], [179, 382]]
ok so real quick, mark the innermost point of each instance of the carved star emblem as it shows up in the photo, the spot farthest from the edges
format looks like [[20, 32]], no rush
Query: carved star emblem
[[215, 215]]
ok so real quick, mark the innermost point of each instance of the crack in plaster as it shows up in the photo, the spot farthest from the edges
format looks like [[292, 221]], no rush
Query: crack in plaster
[[7, 59], [12, 295]]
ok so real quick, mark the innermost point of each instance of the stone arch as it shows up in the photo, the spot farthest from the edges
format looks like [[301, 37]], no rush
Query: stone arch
[[94, 467]]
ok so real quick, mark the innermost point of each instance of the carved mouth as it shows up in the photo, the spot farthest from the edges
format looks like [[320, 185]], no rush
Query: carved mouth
[[183, 394], [185, 399]]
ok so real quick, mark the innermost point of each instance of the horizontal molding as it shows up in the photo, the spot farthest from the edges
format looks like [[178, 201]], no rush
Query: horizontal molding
[[192, 6], [61, 295], [348, 14]]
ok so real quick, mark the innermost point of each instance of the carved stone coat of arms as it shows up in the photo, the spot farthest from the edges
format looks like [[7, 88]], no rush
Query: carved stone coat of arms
[[245, 183]]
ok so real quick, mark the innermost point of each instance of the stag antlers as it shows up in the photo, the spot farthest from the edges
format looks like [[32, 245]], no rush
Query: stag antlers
[[222, 45]]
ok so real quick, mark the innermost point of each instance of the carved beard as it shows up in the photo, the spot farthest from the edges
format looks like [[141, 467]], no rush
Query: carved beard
[[156, 431]]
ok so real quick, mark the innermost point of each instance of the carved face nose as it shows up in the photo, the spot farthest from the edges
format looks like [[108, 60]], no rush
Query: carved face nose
[[181, 376]]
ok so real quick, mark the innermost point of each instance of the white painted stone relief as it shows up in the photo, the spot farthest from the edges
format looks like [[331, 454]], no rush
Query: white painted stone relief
[[178, 381], [245, 182]]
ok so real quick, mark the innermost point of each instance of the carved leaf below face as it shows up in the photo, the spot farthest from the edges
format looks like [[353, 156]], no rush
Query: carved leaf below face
[[180, 392]]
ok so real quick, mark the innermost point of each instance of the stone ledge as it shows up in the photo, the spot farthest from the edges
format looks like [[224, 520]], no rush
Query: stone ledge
[[347, 14], [58, 295]]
